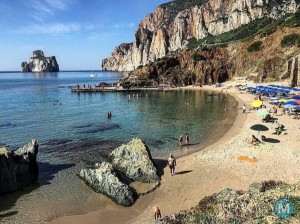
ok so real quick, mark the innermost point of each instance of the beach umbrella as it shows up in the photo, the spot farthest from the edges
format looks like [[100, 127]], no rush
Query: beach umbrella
[[298, 102], [289, 106], [282, 100], [297, 108], [257, 103], [291, 103], [259, 127], [262, 112], [297, 97]]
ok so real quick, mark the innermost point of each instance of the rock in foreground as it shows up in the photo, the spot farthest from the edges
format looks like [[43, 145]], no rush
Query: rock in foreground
[[257, 205], [18, 168], [39, 63], [135, 161], [103, 179]]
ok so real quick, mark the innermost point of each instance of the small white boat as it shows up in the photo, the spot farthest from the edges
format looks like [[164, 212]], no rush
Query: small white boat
[[93, 75]]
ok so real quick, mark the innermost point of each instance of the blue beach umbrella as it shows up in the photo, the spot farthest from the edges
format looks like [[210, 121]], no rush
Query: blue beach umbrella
[[289, 106], [297, 97], [297, 108], [291, 103]]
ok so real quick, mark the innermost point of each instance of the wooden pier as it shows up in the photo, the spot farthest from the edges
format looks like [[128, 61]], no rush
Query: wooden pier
[[115, 89]]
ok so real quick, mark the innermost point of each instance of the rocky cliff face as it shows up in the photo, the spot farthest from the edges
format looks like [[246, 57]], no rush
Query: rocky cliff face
[[218, 64], [172, 24], [39, 63], [18, 168]]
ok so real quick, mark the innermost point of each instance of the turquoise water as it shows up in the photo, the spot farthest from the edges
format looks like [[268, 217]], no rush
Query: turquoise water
[[72, 130], [41, 106]]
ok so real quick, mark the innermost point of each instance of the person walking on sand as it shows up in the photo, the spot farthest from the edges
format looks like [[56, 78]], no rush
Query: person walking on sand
[[172, 164], [187, 139], [180, 140], [157, 214], [244, 108]]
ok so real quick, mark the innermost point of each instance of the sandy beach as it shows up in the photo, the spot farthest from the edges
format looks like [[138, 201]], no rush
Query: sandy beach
[[215, 168]]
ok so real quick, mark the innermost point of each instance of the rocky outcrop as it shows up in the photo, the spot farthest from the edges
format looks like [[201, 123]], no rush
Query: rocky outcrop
[[188, 67], [253, 206], [18, 168], [172, 24], [132, 161], [103, 179], [135, 161], [39, 63]]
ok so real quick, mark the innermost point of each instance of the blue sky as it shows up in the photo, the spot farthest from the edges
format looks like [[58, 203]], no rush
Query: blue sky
[[78, 32]]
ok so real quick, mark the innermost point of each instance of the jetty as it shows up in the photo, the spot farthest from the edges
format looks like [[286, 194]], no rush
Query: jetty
[[96, 89]]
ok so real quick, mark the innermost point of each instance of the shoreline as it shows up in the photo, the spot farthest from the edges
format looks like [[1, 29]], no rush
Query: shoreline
[[117, 214]]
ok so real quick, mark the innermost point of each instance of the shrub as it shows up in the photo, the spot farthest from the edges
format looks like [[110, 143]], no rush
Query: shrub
[[293, 21], [255, 46], [290, 40], [268, 30], [198, 57]]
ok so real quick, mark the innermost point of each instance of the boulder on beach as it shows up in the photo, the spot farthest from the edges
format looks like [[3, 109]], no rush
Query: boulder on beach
[[18, 168], [103, 179], [135, 161]]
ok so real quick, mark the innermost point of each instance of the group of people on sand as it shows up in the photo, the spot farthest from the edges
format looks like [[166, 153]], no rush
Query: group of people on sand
[[187, 140]]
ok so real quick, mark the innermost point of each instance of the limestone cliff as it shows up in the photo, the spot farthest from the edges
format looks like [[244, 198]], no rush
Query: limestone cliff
[[172, 24], [218, 64], [39, 63]]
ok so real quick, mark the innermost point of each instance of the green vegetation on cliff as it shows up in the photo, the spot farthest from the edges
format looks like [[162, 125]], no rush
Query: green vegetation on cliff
[[255, 46], [264, 27], [240, 33], [176, 6], [291, 40]]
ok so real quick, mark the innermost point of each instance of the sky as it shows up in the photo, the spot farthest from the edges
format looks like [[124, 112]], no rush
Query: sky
[[80, 33]]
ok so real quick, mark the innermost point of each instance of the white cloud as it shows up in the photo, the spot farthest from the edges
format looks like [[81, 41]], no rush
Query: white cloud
[[45, 8], [51, 29], [123, 25], [58, 4], [100, 35]]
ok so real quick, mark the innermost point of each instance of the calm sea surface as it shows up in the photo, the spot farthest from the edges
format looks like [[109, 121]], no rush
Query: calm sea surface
[[72, 130]]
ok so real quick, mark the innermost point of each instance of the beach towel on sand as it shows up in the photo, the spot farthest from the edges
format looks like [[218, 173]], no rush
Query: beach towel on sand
[[248, 159]]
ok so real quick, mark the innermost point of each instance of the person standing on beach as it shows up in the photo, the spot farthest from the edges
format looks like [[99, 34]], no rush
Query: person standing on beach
[[187, 139], [172, 164], [244, 108], [157, 214], [180, 140]]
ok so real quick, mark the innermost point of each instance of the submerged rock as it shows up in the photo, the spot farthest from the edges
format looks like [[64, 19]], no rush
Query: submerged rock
[[18, 168], [103, 179], [39, 63], [135, 161]]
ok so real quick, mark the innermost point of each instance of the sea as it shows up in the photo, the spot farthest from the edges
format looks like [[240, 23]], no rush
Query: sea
[[73, 132]]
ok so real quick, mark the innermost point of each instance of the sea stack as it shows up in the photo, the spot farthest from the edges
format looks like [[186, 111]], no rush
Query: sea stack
[[39, 63]]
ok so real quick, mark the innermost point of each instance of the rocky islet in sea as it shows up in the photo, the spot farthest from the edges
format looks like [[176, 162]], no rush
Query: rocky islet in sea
[[39, 63]]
